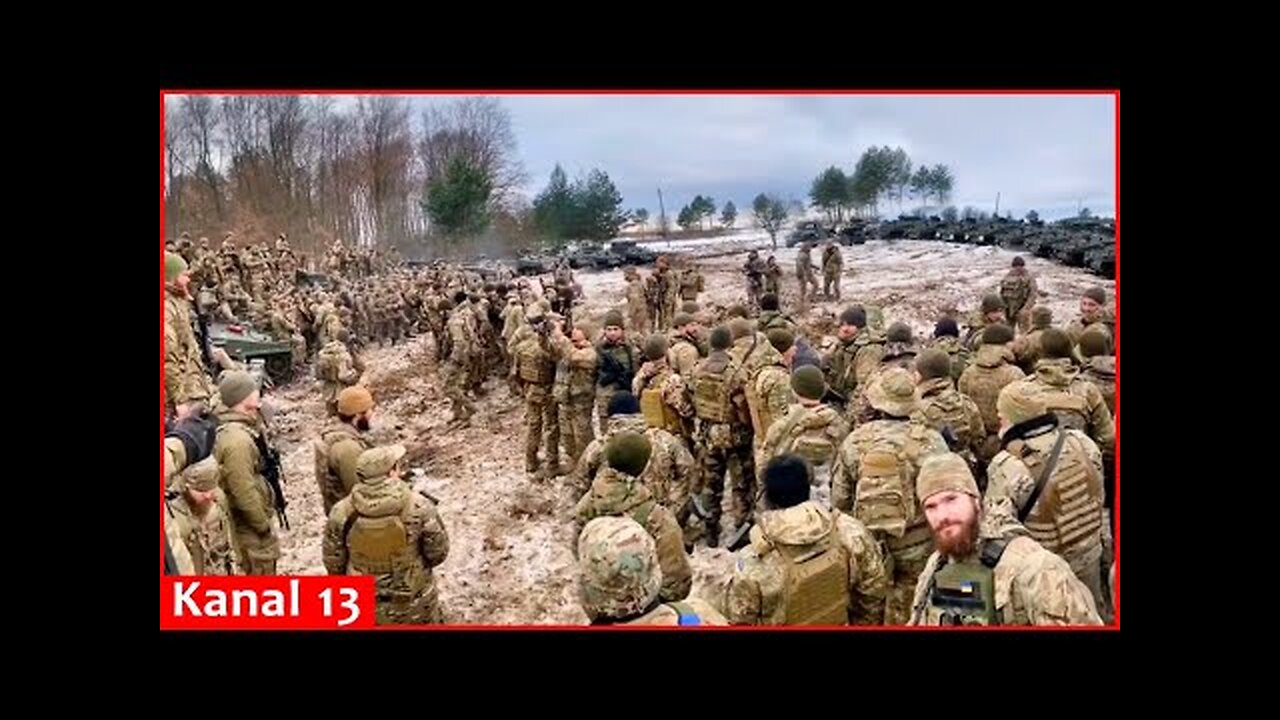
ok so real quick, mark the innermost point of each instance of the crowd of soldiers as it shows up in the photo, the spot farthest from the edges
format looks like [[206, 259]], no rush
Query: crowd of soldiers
[[873, 480]]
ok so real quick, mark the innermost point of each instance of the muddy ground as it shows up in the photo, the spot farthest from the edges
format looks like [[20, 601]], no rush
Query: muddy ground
[[509, 557]]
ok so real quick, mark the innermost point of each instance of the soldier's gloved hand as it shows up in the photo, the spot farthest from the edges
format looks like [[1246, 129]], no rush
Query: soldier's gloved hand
[[197, 433]]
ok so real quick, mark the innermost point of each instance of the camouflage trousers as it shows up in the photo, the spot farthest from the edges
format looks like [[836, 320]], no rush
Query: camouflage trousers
[[1021, 319], [420, 609], [541, 413], [603, 396], [257, 554], [721, 450], [638, 321], [1093, 572], [576, 421], [773, 285], [455, 375], [907, 566], [831, 279]]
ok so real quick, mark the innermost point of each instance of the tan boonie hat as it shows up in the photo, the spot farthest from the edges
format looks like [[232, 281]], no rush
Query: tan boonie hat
[[893, 392], [354, 400], [379, 461]]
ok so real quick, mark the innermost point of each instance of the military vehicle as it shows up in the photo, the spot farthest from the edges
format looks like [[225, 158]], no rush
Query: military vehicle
[[808, 230], [245, 344]]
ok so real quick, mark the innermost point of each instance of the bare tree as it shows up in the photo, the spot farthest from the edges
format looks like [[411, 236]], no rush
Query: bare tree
[[479, 131], [386, 151]]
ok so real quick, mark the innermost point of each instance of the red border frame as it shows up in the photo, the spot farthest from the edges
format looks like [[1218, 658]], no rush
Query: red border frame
[[1113, 92]]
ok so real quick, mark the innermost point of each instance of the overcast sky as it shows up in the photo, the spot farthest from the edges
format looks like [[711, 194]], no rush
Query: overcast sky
[[1046, 153]]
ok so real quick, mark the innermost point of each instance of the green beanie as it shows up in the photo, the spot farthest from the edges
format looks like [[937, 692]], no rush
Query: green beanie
[[174, 265], [628, 453], [808, 382]]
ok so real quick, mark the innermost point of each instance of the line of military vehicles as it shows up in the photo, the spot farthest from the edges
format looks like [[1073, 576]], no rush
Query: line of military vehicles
[[1088, 243], [1078, 242]]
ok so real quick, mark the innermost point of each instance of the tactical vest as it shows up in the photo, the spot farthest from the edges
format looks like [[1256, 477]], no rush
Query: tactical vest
[[1014, 291], [815, 588], [658, 413], [761, 417], [947, 409], [885, 498], [711, 400], [808, 439], [327, 365], [965, 593], [1069, 408], [380, 546], [535, 364], [1067, 516]]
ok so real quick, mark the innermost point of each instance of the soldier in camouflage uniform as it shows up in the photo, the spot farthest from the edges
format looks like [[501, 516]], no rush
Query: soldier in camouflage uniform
[[841, 361], [618, 361], [946, 337], [723, 438], [754, 270], [670, 475], [771, 317], [983, 546], [618, 491], [200, 508], [185, 380], [1026, 349], [1076, 401], [658, 288], [387, 530], [991, 312], [284, 329], [240, 462], [684, 351], [580, 361], [873, 476], [455, 371], [772, 276], [898, 351], [983, 380], [620, 578], [810, 429], [952, 414], [1100, 364], [768, 391], [691, 282], [1018, 290], [804, 274], [637, 304], [1093, 311], [664, 399], [832, 266], [535, 366], [340, 445], [805, 564], [335, 370], [1066, 515]]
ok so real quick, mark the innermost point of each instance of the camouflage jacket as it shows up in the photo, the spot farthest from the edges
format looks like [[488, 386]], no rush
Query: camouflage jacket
[[249, 496], [913, 441], [958, 352], [683, 356], [1032, 587], [818, 421], [659, 374], [1059, 376], [944, 407], [207, 537], [985, 377], [771, 397], [184, 377], [1107, 318], [1026, 350], [841, 367], [1101, 371], [580, 365], [1018, 290], [757, 590], [772, 320], [1067, 518], [427, 541], [336, 452], [612, 494], [832, 259]]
